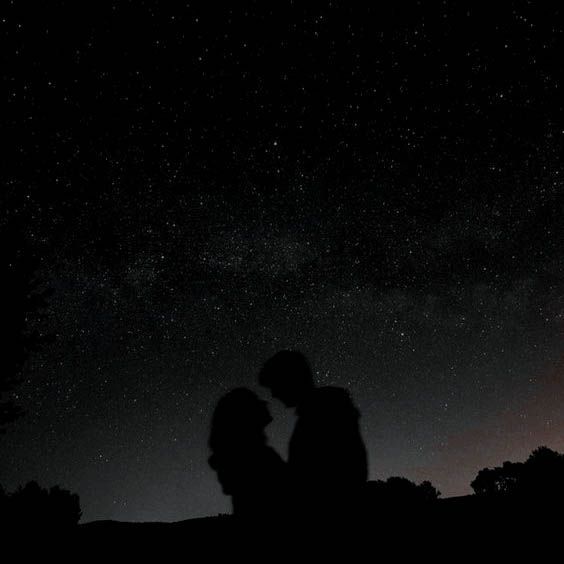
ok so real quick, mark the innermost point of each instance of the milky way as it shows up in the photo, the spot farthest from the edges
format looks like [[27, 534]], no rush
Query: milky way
[[382, 188]]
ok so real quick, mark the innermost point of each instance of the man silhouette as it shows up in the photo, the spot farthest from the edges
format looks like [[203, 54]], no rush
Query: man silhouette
[[327, 459]]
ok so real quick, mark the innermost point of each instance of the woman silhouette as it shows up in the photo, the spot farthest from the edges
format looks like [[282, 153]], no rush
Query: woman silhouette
[[249, 470]]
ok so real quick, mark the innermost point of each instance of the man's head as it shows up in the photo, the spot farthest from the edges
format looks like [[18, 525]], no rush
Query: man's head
[[288, 376]]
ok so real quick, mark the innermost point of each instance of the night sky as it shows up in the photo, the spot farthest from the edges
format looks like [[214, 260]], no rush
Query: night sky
[[381, 188]]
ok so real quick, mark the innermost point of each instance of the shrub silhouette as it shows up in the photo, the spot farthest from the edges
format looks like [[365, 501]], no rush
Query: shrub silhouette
[[32, 506], [427, 492], [540, 477], [504, 480], [64, 507], [398, 493]]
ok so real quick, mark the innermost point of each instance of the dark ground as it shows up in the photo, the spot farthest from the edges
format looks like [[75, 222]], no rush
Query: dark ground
[[449, 529]]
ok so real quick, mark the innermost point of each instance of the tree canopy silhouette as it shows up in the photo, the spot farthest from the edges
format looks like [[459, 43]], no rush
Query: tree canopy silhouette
[[399, 491], [540, 477], [32, 506]]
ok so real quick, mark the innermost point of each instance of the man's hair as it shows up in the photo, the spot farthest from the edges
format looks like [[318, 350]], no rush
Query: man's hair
[[287, 365]]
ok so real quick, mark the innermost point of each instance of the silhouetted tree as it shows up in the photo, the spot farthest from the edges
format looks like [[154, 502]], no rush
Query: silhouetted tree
[[544, 457], [398, 491], [485, 483], [540, 476], [544, 475], [503, 480], [32, 506], [427, 492], [64, 507], [29, 505]]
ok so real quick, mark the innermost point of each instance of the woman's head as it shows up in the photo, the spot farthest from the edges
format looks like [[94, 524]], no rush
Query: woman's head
[[240, 415]]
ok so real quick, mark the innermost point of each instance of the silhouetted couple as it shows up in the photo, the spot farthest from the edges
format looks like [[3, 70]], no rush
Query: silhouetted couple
[[327, 463]]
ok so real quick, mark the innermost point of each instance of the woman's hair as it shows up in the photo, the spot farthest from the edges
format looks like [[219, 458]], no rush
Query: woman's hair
[[238, 417]]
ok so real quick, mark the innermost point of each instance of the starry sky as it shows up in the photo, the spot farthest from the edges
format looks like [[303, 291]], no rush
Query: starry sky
[[380, 187]]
